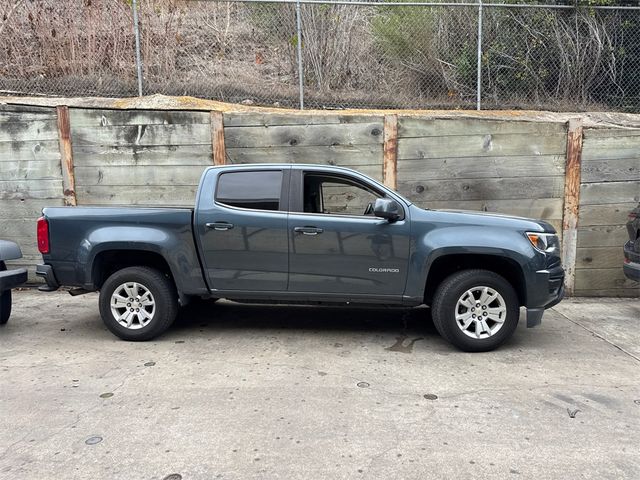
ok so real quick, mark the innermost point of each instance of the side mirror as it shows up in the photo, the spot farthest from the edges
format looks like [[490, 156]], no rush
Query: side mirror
[[386, 208]]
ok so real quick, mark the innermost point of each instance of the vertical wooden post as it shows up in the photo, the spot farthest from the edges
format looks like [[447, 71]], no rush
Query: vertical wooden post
[[66, 156], [572, 178], [390, 152], [217, 139]]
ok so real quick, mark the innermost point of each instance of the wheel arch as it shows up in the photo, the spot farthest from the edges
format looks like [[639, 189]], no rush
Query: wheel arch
[[106, 262], [445, 265]]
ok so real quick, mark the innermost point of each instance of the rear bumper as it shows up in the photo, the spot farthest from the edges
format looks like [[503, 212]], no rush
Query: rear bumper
[[46, 272], [12, 278]]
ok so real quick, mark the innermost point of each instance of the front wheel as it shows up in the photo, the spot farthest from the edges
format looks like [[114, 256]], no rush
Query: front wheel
[[475, 310], [138, 303]]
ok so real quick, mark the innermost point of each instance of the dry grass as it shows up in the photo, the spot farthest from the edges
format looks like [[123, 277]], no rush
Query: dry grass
[[237, 52]]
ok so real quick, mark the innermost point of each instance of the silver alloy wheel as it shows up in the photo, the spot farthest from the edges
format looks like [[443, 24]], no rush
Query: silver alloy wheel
[[480, 312], [133, 305]]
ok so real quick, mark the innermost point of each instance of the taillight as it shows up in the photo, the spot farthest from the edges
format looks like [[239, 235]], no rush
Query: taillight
[[43, 235]]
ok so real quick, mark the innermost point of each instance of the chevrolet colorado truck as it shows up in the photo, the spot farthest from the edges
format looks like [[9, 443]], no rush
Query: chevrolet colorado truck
[[291, 233]]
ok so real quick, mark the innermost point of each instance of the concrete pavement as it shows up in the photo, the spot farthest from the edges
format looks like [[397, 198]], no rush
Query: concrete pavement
[[248, 391]]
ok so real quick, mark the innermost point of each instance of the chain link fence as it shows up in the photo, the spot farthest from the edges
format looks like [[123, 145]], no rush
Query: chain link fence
[[365, 54]]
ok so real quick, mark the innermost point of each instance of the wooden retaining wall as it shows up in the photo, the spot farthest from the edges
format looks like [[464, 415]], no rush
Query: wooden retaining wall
[[583, 180], [609, 189], [30, 174]]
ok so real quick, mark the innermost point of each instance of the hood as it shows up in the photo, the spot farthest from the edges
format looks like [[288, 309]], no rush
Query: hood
[[472, 217]]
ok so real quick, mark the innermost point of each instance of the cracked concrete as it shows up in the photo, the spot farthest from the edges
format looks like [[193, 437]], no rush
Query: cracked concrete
[[249, 391]]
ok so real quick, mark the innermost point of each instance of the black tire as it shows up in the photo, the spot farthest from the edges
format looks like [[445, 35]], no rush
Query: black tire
[[164, 295], [452, 289], [5, 306], [5, 301]]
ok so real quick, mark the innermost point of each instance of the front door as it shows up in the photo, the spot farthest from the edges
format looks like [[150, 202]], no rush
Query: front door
[[337, 245], [244, 232]]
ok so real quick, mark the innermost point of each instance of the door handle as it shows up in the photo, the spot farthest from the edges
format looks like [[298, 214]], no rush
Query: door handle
[[219, 226], [308, 230]]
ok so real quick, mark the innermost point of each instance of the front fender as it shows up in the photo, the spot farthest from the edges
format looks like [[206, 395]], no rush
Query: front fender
[[469, 240]]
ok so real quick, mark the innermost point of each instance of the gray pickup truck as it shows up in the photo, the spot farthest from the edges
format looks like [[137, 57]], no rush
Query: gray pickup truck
[[278, 233]]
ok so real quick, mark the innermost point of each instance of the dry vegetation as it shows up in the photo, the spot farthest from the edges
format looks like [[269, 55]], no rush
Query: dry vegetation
[[353, 56]]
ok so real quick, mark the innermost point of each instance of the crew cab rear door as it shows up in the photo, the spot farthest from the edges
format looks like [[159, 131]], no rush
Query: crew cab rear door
[[241, 222]]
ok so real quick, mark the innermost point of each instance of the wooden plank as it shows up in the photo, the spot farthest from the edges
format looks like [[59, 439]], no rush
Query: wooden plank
[[481, 146], [24, 117], [571, 202], [610, 214], [27, 131], [23, 228], [194, 134], [603, 278], [438, 127], [139, 176], [610, 132], [131, 155], [82, 117], [30, 150], [611, 170], [599, 257], [422, 192], [25, 189], [5, 107], [345, 155], [30, 208], [30, 170], [304, 135], [481, 167], [610, 192], [266, 119], [602, 236], [66, 156], [217, 139], [178, 195], [543, 208], [390, 152], [611, 147]]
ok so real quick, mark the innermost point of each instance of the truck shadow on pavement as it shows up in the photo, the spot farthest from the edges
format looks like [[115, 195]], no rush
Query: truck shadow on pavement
[[410, 325]]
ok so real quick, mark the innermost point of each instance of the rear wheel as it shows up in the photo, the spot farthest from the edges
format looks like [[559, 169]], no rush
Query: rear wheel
[[475, 310], [138, 303]]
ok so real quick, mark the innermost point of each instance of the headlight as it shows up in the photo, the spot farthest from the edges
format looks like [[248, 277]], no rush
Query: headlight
[[545, 242]]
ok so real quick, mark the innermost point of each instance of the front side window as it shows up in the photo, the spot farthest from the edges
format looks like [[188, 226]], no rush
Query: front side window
[[337, 196], [255, 190]]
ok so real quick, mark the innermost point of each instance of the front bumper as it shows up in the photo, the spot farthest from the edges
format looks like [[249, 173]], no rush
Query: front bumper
[[12, 278], [546, 292], [46, 272], [631, 265]]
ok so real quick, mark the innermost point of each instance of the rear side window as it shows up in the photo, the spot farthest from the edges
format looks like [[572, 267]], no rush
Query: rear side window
[[255, 190]]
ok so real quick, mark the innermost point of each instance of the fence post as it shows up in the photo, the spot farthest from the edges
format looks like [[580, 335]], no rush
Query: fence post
[[390, 152], [299, 49], [479, 65], [136, 31], [66, 156], [217, 138], [572, 178]]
